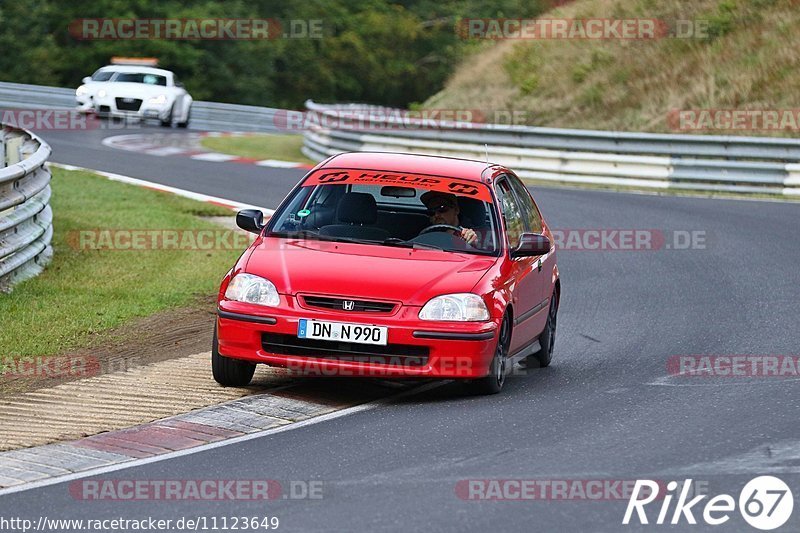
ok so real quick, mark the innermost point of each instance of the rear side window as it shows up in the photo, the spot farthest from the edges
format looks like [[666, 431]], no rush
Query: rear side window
[[530, 213], [512, 214]]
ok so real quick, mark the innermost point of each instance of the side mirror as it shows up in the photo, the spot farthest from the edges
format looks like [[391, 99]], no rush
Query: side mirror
[[87, 79], [251, 220], [531, 244]]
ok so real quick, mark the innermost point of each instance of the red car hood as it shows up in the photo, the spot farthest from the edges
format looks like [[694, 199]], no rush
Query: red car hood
[[363, 271]]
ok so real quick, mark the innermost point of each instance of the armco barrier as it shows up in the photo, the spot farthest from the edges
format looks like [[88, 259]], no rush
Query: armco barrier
[[205, 115], [26, 218], [661, 161]]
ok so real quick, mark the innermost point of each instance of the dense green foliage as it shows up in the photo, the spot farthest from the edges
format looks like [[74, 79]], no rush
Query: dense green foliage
[[388, 52]]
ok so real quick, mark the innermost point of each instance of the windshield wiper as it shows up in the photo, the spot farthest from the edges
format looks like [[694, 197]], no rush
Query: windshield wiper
[[400, 243], [313, 235]]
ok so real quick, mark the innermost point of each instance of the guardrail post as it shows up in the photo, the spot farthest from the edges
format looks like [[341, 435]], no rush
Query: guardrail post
[[13, 150], [2, 147]]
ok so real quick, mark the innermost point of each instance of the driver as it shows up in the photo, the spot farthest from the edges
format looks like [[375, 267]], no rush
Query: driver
[[443, 209]]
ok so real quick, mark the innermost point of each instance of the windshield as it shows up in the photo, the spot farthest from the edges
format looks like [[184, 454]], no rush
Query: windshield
[[102, 75], [383, 210], [138, 77]]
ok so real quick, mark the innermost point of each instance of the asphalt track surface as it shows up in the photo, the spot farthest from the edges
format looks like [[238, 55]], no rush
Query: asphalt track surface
[[605, 410]]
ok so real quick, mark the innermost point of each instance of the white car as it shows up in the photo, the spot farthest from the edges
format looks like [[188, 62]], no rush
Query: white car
[[135, 91]]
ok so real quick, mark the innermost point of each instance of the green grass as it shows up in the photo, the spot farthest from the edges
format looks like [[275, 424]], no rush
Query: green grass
[[746, 59], [83, 292], [282, 147]]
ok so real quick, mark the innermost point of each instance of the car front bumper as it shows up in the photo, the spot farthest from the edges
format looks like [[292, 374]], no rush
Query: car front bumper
[[84, 104], [107, 107], [414, 348]]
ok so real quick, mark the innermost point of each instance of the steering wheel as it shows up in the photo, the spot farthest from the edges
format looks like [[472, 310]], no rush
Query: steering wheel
[[441, 227]]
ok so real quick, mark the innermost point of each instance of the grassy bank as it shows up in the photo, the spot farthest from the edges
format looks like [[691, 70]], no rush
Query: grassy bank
[[87, 290], [280, 147], [744, 56]]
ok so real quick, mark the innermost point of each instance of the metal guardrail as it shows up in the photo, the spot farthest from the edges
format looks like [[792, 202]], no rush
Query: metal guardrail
[[661, 161], [205, 115], [26, 219]]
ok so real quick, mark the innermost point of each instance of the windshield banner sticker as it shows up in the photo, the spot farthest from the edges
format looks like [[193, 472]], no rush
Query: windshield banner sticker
[[432, 183]]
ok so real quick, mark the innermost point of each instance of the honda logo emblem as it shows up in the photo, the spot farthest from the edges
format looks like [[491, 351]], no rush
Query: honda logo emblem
[[348, 305]]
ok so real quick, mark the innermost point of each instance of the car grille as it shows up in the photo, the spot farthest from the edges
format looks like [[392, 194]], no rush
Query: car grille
[[132, 105], [391, 354], [341, 304]]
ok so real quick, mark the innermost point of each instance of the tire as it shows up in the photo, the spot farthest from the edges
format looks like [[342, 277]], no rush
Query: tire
[[168, 123], [494, 381], [547, 339], [185, 123], [230, 372]]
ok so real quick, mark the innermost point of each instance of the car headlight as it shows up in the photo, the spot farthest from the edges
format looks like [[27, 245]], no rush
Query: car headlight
[[465, 307], [160, 99], [80, 91], [101, 93], [252, 289]]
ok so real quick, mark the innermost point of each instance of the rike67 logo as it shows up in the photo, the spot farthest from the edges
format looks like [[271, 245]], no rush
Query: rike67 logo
[[765, 503]]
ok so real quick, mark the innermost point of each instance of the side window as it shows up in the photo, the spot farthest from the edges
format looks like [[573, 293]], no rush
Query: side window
[[102, 75], [512, 214], [531, 215]]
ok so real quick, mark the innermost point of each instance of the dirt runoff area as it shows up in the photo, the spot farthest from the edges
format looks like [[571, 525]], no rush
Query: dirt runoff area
[[165, 335]]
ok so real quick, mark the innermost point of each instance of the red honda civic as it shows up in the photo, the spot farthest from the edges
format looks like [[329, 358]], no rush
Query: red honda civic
[[393, 265]]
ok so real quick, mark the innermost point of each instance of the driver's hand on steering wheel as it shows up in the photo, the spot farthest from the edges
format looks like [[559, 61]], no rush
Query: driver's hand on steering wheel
[[468, 235]]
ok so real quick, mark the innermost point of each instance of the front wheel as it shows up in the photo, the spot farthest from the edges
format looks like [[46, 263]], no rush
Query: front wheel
[[185, 123], [494, 381], [229, 372], [167, 123]]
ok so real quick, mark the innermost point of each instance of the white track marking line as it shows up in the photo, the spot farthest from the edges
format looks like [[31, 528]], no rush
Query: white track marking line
[[277, 163], [219, 444], [167, 150], [710, 381], [166, 188], [215, 157]]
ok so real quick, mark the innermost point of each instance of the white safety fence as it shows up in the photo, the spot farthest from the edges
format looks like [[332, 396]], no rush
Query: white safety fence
[[660, 161]]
